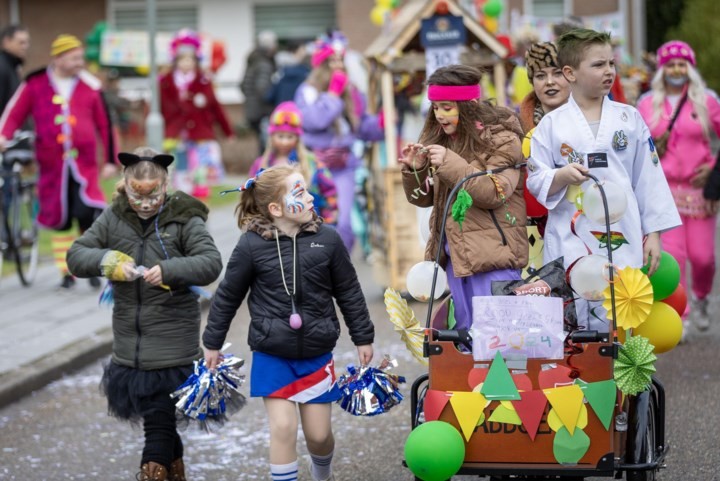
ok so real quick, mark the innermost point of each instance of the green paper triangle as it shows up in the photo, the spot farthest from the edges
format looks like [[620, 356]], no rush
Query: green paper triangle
[[601, 395], [499, 385], [451, 322]]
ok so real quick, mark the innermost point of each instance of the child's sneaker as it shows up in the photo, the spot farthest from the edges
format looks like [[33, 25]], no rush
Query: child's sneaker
[[699, 314], [68, 281]]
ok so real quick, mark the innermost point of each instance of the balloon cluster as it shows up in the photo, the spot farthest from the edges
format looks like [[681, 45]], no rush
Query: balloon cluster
[[369, 391], [380, 13], [434, 451], [212, 395], [662, 326], [489, 11]]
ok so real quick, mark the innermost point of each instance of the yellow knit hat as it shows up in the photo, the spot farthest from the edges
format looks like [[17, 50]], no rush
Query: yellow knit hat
[[64, 43]]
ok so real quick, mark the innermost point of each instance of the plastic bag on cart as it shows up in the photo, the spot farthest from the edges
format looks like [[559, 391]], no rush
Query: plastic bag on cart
[[549, 281]]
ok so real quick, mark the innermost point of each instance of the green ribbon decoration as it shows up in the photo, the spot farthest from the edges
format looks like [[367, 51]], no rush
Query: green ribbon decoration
[[635, 365], [462, 203]]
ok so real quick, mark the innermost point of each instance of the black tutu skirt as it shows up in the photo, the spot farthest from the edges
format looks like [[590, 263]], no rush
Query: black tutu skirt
[[126, 388]]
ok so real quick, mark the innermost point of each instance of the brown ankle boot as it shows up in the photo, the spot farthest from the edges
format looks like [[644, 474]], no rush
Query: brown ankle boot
[[152, 472], [177, 471]]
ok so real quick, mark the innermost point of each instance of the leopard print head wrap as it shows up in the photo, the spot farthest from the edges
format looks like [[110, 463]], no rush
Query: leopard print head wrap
[[540, 56]]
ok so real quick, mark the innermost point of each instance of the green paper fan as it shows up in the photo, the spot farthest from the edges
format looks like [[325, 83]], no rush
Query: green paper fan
[[635, 365]]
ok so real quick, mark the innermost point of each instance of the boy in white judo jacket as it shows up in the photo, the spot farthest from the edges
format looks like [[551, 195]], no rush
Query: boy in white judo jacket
[[593, 134]]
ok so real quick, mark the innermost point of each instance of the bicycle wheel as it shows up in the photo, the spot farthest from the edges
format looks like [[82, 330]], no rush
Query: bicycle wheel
[[24, 231]]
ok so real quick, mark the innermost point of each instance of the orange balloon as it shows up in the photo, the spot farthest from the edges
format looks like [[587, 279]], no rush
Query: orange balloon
[[677, 300]]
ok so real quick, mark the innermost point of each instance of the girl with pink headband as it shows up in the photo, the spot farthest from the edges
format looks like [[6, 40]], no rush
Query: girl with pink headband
[[678, 93], [462, 135]]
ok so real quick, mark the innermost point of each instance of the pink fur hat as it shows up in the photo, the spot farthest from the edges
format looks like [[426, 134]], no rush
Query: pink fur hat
[[675, 49], [286, 118], [328, 45]]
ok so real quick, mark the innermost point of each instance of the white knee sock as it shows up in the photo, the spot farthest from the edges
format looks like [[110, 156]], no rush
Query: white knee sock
[[321, 466], [284, 472]]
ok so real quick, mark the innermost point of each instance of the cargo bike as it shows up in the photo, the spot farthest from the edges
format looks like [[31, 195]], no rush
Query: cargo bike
[[626, 435]]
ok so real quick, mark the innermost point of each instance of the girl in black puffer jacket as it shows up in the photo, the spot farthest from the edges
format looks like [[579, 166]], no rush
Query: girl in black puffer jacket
[[293, 267]]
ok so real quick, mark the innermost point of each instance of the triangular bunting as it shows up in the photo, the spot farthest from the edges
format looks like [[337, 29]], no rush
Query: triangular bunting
[[602, 396], [530, 408], [567, 401], [434, 404], [499, 384], [502, 414], [468, 407], [556, 424]]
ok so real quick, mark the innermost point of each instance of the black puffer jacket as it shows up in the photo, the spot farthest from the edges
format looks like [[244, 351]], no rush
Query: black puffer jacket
[[324, 272]]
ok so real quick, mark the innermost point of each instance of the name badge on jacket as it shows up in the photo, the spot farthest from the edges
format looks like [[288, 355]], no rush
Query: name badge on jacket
[[597, 160]]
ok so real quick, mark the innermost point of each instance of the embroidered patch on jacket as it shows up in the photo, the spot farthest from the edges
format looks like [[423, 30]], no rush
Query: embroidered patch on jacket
[[574, 157], [617, 239], [619, 141]]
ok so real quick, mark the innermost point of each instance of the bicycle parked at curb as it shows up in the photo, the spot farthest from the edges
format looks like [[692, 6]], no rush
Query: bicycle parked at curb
[[18, 208]]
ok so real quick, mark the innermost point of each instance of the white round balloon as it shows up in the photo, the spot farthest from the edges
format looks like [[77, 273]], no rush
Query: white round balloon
[[419, 281], [590, 276], [592, 203], [424, 220]]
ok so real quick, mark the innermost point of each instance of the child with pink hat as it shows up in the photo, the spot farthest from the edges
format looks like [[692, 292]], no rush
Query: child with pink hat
[[285, 148]]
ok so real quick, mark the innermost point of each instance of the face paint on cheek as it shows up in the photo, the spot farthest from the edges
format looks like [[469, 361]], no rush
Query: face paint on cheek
[[293, 199]]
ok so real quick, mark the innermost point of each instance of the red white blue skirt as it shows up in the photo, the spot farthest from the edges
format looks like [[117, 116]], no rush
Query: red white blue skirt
[[299, 380]]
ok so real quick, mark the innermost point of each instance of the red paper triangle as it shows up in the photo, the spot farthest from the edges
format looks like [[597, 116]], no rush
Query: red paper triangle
[[530, 408], [435, 402], [476, 376]]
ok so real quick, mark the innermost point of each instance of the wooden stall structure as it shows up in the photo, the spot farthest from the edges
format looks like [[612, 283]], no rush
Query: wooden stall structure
[[397, 51]]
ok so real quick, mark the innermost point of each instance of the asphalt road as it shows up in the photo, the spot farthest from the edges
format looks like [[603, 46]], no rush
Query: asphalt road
[[62, 432]]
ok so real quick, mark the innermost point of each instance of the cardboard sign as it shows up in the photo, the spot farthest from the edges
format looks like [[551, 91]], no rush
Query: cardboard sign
[[517, 326]]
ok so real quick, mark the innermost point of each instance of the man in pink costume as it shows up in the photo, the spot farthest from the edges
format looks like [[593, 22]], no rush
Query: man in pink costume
[[69, 113]]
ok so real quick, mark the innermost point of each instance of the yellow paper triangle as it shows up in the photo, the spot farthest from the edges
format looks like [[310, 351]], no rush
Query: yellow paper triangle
[[567, 402], [555, 424], [501, 414], [468, 407]]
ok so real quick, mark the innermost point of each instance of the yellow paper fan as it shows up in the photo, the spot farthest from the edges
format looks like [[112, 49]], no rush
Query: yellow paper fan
[[406, 323], [633, 298]]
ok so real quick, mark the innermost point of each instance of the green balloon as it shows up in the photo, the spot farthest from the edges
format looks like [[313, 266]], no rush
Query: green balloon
[[434, 451], [493, 8], [666, 278]]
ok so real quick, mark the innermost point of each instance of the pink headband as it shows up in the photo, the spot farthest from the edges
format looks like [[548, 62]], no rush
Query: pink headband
[[453, 93], [675, 49]]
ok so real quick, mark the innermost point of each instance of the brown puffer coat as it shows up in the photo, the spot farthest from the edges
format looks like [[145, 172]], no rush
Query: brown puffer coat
[[487, 241]]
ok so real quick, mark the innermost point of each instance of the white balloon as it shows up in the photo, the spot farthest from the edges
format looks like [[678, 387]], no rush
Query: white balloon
[[592, 203], [590, 276], [419, 281], [424, 220]]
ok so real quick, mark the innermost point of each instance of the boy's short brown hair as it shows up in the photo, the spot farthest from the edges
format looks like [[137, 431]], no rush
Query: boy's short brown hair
[[573, 44]]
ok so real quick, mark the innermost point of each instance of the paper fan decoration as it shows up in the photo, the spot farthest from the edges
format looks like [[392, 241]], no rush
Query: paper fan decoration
[[635, 365], [406, 323], [633, 298]]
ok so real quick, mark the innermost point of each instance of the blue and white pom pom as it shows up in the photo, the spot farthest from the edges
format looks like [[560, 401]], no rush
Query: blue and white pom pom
[[369, 391], [211, 396]]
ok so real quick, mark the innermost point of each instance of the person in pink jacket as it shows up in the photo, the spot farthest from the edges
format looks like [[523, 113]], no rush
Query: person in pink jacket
[[678, 88]]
